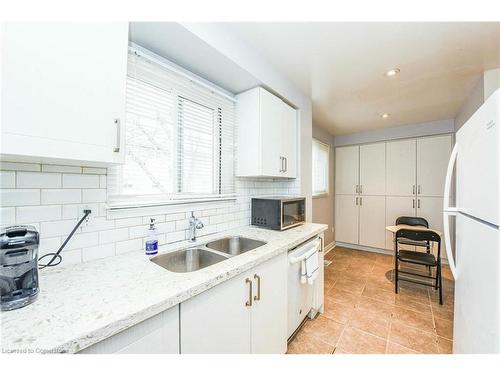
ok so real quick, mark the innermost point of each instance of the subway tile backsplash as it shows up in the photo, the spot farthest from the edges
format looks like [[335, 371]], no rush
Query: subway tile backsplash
[[52, 198]]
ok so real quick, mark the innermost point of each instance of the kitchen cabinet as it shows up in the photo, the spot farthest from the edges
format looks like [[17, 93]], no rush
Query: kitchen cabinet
[[156, 335], [346, 170], [346, 218], [63, 94], [371, 223], [433, 154], [266, 135], [372, 169], [234, 317], [394, 208], [401, 167]]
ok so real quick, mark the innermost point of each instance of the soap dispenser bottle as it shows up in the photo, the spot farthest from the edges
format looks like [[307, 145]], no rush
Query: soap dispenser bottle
[[152, 239]]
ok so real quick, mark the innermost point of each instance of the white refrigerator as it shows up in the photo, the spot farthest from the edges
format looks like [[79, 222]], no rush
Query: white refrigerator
[[475, 263]]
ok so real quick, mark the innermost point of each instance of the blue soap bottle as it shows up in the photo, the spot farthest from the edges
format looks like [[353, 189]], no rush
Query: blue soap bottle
[[152, 239]]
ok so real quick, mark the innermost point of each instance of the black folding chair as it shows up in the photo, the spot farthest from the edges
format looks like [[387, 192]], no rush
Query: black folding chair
[[414, 221], [425, 259]]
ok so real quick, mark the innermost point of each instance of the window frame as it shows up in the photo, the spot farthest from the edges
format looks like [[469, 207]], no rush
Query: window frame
[[326, 192], [137, 201]]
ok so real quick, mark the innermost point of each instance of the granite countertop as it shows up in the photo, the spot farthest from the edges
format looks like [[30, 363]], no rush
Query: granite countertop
[[82, 304]]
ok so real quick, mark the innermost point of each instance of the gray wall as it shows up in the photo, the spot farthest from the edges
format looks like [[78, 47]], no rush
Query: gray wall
[[322, 207], [397, 132]]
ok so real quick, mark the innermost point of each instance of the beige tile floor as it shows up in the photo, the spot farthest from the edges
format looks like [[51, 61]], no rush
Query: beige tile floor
[[363, 315]]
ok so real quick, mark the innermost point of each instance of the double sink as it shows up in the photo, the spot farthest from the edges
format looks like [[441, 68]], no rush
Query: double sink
[[196, 258]]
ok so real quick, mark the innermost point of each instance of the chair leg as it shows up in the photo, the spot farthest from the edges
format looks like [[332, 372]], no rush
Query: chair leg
[[440, 285], [396, 265], [436, 281]]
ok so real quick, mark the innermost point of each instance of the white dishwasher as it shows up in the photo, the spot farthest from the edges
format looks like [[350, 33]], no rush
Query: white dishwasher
[[303, 298]]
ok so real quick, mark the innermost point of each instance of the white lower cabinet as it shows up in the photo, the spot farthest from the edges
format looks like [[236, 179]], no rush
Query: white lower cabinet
[[394, 208], [234, 317], [346, 218], [371, 221], [156, 335]]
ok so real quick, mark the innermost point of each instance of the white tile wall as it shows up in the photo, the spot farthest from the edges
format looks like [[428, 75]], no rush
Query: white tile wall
[[53, 197]]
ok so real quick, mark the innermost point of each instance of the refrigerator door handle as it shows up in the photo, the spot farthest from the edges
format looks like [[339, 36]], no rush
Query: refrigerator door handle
[[449, 211]]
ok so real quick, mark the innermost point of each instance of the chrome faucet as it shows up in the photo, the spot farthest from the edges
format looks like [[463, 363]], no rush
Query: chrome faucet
[[194, 223]]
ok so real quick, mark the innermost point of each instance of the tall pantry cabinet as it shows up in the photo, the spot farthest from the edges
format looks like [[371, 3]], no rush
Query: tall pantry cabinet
[[376, 183]]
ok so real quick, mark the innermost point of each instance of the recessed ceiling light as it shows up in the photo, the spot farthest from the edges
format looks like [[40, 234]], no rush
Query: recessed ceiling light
[[392, 72], [385, 115]]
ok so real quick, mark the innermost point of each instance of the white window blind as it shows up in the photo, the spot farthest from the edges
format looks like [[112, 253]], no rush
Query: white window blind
[[179, 139], [320, 167]]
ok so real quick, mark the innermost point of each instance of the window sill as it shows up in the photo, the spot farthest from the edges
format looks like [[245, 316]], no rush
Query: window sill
[[132, 209], [321, 195]]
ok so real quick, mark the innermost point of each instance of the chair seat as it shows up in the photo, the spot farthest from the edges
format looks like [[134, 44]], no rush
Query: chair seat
[[417, 257], [405, 241]]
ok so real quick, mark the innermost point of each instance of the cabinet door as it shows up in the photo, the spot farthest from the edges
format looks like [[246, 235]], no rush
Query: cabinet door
[[371, 221], [71, 77], [401, 167], [346, 169], [218, 321], [346, 218], [394, 208], [269, 310], [271, 119], [433, 154], [372, 169], [156, 335], [431, 209], [289, 141]]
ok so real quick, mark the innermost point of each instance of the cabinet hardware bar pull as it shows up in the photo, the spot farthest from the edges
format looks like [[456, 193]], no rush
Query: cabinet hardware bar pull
[[357, 189], [286, 164], [361, 201], [257, 297], [418, 203], [413, 189], [118, 135], [413, 203], [418, 191], [249, 302], [361, 189], [357, 201]]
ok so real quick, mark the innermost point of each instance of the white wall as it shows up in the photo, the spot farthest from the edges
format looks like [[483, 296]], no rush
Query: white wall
[[398, 132], [227, 43], [486, 84], [323, 207], [52, 198]]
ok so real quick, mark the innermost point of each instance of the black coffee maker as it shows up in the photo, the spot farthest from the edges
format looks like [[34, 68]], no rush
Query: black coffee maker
[[18, 266]]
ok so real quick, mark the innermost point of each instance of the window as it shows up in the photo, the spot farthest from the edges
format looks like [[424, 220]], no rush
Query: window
[[320, 167], [179, 139]]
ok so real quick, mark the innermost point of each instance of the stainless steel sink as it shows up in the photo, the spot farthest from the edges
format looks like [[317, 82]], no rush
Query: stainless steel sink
[[188, 260], [234, 245]]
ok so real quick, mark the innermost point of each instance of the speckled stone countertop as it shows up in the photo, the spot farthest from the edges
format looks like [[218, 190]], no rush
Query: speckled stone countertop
[[80, 305]]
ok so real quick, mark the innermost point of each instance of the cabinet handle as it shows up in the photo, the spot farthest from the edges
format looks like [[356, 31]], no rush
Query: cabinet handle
[[413, 203], [418, 191], [360, 201], [361, 189], [418, 203], [413, 189], [249, 302], [357, 201], [357, 189], [118, 135], [286, 164], [257, 297]]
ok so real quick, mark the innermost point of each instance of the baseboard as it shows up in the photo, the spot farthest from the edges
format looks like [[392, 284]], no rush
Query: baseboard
[[373, 249], [329, 247]]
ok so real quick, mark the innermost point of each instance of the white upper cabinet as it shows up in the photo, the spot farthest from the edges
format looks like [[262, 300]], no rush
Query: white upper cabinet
[[346, 170], [401, 167], [267, 135], [433, 154], [63, 94], [372, 169]]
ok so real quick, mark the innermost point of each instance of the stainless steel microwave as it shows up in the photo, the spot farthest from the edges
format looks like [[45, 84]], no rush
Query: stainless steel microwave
[[278, 213]]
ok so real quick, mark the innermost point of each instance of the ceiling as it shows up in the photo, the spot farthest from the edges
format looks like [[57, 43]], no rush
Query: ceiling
[[342, 65], [175, 43]]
